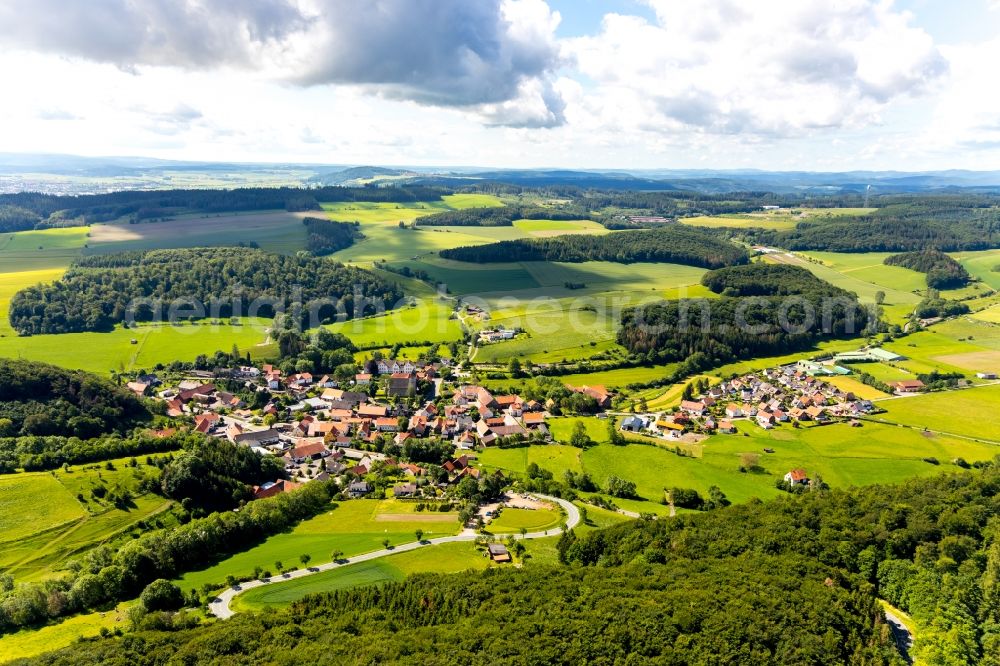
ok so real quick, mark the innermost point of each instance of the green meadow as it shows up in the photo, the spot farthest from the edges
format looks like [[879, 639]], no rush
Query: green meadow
[[782, 219], [532, 520], [38, 538], [427, 321], [353, 527], [28, 643], [442, 558], [967, 413], [840, 454], [155, 343]]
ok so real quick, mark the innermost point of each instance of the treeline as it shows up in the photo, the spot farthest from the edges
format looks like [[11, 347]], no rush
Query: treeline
[[99, 292], [500, 216], [942, 271], [30, 210], [935, 306], [42, 399], [755, 610], [790, 309], [326, 236], [929, 546], [948, 223], [113, 573], [672, 244], [37, 453]]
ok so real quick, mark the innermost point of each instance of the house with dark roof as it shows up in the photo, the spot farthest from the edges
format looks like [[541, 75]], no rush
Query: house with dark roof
[[498, 552]]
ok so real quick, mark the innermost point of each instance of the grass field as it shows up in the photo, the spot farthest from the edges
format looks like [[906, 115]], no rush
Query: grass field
[[514, 520], [21, 512], [428, 321], [934, 349], [980, 264], [38, 538], [785, 218], [45, 248], [28, 643], [102, 352], [443, 558], [354, 527], [967, 412], [386, 241], [842, 455], [544, 228], [864, 274], [30, 257]]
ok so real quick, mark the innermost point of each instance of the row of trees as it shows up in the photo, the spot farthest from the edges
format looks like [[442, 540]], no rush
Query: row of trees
[[35, 453], [674, 244], [98, 292]]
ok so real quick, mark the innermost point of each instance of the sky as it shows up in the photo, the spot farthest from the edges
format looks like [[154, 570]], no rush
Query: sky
[[821, 85]]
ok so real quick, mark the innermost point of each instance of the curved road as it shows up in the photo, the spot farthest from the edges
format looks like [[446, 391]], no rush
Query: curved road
[[219, 607]]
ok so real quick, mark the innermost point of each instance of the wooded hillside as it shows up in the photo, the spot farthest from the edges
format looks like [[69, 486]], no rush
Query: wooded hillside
[[42, 399], [789, 581], [96, 293], [673, 244], [942, 271], [790, 309]]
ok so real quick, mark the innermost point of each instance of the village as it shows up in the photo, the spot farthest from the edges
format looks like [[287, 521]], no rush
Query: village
[[397, 431], [411, 429]]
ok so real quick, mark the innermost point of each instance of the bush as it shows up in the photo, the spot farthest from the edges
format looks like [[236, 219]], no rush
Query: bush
[[161, 594]]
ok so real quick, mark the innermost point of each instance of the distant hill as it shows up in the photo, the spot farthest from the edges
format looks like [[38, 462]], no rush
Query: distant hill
[[358, 175]]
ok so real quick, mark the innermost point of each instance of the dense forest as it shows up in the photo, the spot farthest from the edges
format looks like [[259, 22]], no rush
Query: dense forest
[[30, 210], [501, 216], [942, 271], [217, 475], [764, 309], [41, 399], [326, 236], [674, 244], [948, 223], [98, 292], [789, 581], [755, 610], [929, 546]]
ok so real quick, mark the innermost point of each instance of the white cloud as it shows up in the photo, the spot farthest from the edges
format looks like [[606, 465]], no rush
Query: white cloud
[[772, 69], [496, 56]]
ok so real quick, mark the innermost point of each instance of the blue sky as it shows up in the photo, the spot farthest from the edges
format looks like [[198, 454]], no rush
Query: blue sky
[[783, 84]]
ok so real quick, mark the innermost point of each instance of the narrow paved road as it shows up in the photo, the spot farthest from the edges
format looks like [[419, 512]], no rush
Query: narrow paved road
[[902, 635], [219, 607]]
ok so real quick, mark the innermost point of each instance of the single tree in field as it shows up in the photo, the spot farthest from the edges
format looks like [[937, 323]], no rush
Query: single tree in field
[[336, 555], [304, 558], [579, 438], [279, 566], [419, 534], [879, 297], [614, 435], [385, 543]]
